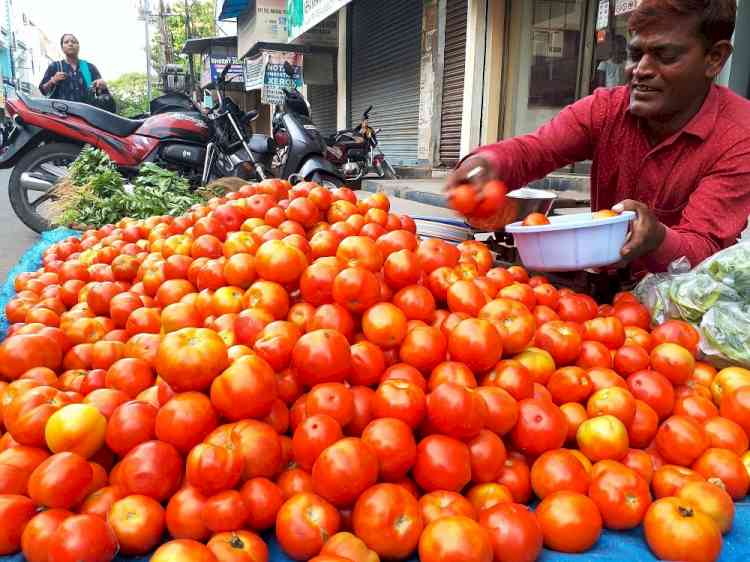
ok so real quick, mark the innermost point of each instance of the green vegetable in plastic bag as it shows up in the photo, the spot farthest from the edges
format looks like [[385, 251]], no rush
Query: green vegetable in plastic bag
[[694, 294], [731, 267], [726, 328]]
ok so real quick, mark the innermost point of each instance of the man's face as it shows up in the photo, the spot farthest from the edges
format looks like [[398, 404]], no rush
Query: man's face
[[667, 70], [70, 45]]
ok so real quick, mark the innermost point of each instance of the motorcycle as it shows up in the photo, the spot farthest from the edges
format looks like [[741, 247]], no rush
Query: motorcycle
[[42, 137], [355, 152], [300, 148]]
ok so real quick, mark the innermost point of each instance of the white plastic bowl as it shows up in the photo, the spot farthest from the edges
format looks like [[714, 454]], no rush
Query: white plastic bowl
[[571, 242]]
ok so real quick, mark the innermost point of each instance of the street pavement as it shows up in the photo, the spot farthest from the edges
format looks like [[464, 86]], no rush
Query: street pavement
[[15, 238]]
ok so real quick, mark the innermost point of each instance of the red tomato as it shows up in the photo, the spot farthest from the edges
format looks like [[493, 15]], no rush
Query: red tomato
[[82, 537], [439, 504], [225, 511], [190, 358], [654, 389], [569, 384], [138, 523], [675, 530], [399, 399], [38, 531], [186, 550], [263, 499], [541, 426], [622, 497], [153, 469], [238, 546], [561, 339], [60, 481], [303, 524], [344, 470], [502, 409], [514, 531], [387, 518], [570, 522], [442, 463], [247, 389], [455, 538], [312, 437], [669, 479], [558, 470], [726, 466], [681, 440], [183, 515], [513, 377], [456, 411], [394, 445], [642, 429], [488, 455], [131, 424], [15, 512], [712, 500], [185, 420], [679, 332]]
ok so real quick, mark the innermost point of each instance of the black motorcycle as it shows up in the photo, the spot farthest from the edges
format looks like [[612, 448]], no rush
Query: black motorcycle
[[355, 152], [300, 148]]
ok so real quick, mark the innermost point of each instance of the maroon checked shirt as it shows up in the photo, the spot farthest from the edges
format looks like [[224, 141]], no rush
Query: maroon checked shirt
[[697, 181]]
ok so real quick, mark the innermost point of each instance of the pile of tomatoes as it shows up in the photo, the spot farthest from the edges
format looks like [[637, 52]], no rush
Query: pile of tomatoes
[[295, 359]]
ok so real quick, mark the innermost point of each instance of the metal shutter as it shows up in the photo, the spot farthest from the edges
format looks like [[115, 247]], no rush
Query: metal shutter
[[323, 104], [385, 72], [453, 81]]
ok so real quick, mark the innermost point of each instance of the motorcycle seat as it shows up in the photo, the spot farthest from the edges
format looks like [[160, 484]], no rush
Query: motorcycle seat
[[99, 118]]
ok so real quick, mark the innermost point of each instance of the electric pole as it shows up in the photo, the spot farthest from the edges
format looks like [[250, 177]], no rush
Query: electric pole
[[146, 16], [187, 38]]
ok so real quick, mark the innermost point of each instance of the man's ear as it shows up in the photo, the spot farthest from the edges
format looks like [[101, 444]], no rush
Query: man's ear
[[716, 57]]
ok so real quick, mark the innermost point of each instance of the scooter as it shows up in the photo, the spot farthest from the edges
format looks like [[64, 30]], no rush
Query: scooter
[[300, 154], [355, 152]]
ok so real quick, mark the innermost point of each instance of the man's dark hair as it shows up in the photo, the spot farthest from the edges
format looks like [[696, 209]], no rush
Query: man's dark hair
[[715, 17], [64, 35]]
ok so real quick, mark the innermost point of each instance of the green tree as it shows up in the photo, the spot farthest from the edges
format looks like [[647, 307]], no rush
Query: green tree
[[130, 93], [202, 24]]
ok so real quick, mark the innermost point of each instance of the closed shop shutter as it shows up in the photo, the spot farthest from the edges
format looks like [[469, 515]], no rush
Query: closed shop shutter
[[453, 81], [323, 105], [385, 44]]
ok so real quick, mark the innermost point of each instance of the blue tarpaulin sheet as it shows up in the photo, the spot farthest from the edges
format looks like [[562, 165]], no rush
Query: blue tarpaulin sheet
[[630, 545]]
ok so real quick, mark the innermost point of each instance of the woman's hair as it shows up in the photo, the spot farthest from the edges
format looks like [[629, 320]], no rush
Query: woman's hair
[[715, 18], [64, 35]]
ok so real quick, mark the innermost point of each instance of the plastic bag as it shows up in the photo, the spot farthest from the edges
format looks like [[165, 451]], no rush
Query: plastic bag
[[726, 337], [653, 290], [714, 297]]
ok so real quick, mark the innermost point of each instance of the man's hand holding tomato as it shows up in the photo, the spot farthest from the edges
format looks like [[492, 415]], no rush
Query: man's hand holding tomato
[[475, 191]]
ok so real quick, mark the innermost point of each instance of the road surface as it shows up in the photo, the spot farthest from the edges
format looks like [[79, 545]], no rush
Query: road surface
[[15, 238]]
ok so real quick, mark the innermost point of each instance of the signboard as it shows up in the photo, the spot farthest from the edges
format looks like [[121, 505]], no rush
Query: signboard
[[303, 15], [266, 73], [625, 6], [602, 18], [216, 66]]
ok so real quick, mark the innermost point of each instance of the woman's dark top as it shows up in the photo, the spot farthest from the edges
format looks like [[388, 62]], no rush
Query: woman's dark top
[[73, 87]]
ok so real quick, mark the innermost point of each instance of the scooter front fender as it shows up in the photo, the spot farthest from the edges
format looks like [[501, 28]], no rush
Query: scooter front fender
[[317, 163]]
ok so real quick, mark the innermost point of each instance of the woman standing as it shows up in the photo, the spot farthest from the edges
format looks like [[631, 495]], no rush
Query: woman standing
[[70, 78]]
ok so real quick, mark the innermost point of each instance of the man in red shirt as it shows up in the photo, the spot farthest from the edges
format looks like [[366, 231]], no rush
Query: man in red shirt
[[671, 145]]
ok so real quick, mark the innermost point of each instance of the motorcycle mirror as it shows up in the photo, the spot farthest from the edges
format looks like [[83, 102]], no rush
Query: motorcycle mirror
[[367, 111], [224, 72]]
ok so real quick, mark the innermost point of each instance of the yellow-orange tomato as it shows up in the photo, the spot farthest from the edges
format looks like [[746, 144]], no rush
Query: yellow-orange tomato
[[76, 428], [603, 437]]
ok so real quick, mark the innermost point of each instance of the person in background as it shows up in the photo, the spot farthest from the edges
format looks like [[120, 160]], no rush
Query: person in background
[[670, 145], [611, 72], [70, 78]]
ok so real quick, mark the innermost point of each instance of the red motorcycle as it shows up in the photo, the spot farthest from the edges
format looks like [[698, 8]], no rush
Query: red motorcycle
[[42, 137]]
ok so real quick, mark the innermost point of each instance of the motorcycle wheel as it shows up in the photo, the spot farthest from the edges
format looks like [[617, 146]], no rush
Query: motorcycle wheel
[[36, 173], [327, 180]]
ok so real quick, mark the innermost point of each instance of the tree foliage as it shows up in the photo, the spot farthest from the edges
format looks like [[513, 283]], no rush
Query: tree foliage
[[130, 93], [202, 24]]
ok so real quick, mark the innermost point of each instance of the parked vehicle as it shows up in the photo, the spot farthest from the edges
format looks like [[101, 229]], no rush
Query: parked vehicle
[[42, 137], [355, 152], [300, 148]]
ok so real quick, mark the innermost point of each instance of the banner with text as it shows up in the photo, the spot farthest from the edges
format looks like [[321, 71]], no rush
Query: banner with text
[[305, 14], [266, 72]]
